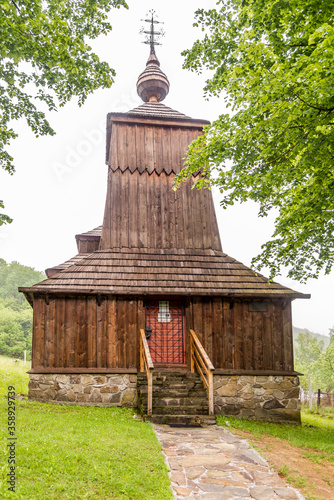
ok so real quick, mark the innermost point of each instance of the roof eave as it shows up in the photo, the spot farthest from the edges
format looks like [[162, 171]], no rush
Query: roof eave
[[139, 293]]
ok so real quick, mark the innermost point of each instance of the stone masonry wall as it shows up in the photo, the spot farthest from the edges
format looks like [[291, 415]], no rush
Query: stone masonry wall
[[258, 397], [85, 389]]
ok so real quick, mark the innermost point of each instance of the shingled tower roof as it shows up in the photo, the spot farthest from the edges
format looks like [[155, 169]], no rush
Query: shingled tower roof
[[155, 240]]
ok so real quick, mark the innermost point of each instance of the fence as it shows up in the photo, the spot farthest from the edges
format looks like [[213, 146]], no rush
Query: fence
[[318, 398]]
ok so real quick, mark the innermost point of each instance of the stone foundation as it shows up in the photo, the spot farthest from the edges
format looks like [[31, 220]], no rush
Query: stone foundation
[[270, 398], [258, 397], [85, 389]]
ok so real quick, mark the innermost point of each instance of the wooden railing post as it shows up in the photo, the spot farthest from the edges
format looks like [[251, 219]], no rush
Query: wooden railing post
[[192, 364], [146, 364], [201, 361], [210, 393]]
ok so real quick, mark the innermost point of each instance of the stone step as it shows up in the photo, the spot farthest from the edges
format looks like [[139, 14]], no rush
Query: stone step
[[167, 401], [179, 410], [178, 398], [170, 377], [182, 420], [169, 393], [174, 385]]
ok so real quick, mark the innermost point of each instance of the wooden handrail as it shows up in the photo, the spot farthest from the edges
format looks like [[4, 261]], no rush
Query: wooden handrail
[[200, 360], [146, 364]]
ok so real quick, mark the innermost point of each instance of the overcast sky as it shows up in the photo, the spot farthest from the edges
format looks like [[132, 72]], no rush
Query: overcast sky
[[59, 186]]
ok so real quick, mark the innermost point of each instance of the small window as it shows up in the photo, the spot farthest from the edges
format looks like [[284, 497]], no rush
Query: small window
[[257, 306], [163, 315]]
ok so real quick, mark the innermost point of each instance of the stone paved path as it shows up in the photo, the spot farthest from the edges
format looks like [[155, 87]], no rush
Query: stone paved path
[[210, 463]]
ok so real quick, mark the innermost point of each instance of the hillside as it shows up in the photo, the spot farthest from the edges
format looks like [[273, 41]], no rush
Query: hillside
[[318, 336]]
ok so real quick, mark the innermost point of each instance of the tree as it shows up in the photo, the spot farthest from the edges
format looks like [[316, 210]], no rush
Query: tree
[[45, 60], [308, 350], [272, 61], [325, 365], [15, 312]]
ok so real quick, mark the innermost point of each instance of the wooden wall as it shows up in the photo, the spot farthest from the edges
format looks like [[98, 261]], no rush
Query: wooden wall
[[236, 338], [88, 246], [92, 332], [142, 210], [86, 332], [150, 147]]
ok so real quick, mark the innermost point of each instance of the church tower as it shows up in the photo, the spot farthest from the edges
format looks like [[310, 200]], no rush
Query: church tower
[[152, 292]]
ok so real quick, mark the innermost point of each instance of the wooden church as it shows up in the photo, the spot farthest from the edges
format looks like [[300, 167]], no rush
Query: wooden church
[[151, 311]]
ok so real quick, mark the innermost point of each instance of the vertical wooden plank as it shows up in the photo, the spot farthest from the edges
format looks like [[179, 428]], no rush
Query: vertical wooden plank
[[115, 216], [257, 319], [70, 330], [122, 149], [81, 334], [158, 158], [149, 149], [34, 343], [198, 318], [140, 325], [140, 144], [238, 334], [91, 332], [287, 337], [51, 332], [188, 326], [248, 337], [131, 147], [111, 332], [121, 327], [123, 198], [132, 334], [60, 331], [133, 210], [166, 149], [207, 326], [218, 339], [165, 237], [39, 333], [99, 334], [142, 215], [176, 156], [104, 337], [113, 158], [267, 340], [158, 189], [151, 208], [228, 329], [172, 212], [277, 336]]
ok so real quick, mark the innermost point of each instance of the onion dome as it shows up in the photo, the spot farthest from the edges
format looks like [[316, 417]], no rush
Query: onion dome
[[152, 84]]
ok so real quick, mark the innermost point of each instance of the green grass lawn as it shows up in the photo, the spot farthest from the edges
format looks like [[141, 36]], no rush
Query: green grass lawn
[[319, 437], [319, 417], [75, 452]]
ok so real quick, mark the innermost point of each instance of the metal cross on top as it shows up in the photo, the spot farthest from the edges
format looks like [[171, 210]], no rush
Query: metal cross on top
[[153, 36]]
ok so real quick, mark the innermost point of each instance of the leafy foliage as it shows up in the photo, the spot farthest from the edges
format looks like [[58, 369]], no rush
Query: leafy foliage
[[15, 312], [315, 361], [45, 60], [272, 63]]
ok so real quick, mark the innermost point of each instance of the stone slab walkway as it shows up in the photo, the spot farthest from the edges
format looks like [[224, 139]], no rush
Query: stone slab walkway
[[211, 463]]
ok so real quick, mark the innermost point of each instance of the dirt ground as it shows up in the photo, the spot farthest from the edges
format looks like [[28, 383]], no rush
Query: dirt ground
[[314, 480]]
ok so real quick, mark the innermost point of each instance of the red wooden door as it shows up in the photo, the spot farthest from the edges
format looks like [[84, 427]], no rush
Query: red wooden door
[[165, 331]]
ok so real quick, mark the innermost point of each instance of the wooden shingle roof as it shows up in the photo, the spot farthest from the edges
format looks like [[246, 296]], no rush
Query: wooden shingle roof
[[158, 110], [93, 233], [50, 271], [161, 272]]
